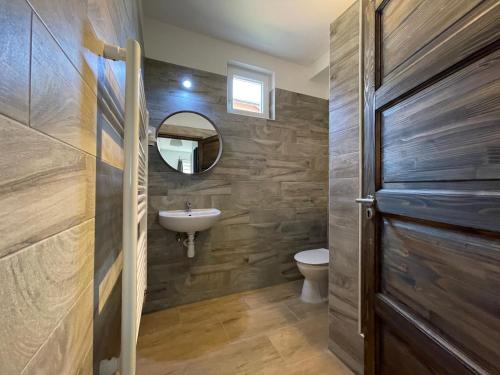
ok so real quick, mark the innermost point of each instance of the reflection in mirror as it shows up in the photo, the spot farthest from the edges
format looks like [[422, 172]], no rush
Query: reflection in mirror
[[189, 142]]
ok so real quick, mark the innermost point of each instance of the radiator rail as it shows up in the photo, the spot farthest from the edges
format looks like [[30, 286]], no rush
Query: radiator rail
[[135, 197]]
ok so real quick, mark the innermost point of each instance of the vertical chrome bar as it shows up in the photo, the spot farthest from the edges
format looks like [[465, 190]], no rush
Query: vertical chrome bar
[[130, 181]]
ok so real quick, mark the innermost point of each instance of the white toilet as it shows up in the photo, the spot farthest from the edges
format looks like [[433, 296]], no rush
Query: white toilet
[[313, 265]]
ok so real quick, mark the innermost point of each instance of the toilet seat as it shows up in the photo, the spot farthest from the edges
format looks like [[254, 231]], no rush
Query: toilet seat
[[316, 257]]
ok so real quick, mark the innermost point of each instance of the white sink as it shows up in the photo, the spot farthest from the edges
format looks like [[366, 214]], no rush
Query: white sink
[[190, 222], [194, 221]]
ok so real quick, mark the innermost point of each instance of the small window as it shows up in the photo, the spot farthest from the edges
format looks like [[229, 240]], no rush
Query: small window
[[249, 90]]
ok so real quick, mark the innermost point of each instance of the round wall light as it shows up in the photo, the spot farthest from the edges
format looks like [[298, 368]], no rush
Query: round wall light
[[187, 84]]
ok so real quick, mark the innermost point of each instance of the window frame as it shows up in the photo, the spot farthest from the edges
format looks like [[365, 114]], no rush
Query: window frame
[[250, 73]]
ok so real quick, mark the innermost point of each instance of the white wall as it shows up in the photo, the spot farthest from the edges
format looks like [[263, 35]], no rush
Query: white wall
[[171, 44]]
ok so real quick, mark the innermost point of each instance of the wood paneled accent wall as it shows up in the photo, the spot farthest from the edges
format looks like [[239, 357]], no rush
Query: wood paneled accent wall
[[61, 183], [344, 186], [271, 185]]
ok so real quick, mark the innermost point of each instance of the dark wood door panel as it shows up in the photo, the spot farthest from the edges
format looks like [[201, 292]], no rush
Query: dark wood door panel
[[480, 29], [449, 131], [449, 279], [208, 149], [408, 25], [432, 161], [480, 210], [426, 347], [397, 357]]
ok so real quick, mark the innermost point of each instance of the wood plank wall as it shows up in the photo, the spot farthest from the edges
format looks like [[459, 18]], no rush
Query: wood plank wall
[[61, 183], [344, 185], [271, 185]]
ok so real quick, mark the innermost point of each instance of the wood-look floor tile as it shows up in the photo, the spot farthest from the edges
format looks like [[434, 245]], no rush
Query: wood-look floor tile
[[306, 310], [182, 342], [213, 308], [262, 339], [148, 366], [324, 363], [277, 293], [250, 356], [320, 364], [256, 321], [151, 323], [300, 341]]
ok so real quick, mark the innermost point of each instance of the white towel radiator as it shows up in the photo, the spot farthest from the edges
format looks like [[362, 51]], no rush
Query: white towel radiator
[[135, 188]]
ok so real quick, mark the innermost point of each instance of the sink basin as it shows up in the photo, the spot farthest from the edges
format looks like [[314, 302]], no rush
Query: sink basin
[[194, 221], [189, 222]]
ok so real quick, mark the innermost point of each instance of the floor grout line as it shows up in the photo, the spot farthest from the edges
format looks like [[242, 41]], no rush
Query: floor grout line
[[225, 330], [291, 311]]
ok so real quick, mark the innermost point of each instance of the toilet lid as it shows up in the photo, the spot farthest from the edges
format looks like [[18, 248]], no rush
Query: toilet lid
[[313, 257]]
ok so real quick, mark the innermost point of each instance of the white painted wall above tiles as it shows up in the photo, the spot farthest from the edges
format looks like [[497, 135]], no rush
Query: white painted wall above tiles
[[171, 44]]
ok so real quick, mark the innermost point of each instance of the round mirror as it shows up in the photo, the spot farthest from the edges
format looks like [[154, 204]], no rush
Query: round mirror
[[189, 142]]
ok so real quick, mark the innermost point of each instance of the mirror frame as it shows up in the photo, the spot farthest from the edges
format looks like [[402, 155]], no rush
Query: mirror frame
[[219, 155]]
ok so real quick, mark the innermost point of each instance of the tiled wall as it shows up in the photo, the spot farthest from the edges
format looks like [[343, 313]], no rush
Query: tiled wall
[[344, 184], [61, 183], [271, 185]]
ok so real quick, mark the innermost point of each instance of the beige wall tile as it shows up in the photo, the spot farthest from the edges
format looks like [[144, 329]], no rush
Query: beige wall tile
[[15, 18], [107, 261], [85, 367], [80, 27], [343, 189], [109, 281], [39, 286], [109, 142], [68, 22], [49, 181], [62, 104], [67, 347], [46, 186]]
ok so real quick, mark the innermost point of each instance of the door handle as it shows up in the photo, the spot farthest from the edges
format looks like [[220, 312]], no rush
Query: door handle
[[368, 201]]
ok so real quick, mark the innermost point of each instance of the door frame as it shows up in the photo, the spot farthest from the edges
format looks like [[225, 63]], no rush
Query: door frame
[[370, 163]]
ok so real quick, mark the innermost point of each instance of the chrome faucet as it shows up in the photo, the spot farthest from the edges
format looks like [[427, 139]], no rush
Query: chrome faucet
[[188, 206]]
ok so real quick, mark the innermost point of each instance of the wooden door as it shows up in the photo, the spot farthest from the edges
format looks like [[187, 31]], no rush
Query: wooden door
[[208, 149], [431, 253]]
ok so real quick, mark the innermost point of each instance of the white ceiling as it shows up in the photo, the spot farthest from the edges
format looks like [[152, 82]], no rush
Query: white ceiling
[[294, 30]]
